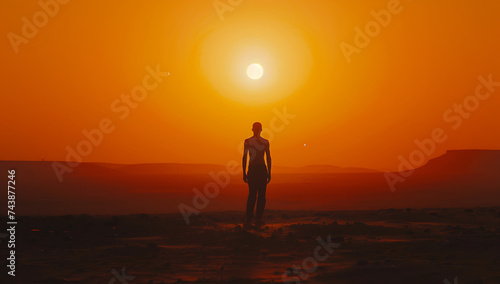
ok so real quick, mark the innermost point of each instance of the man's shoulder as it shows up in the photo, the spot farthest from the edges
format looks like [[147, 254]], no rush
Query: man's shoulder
[[259, 140], [255, 138], [250, 139]]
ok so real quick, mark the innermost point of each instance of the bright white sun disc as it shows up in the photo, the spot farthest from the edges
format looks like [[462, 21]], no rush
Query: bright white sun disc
[[255, 71]]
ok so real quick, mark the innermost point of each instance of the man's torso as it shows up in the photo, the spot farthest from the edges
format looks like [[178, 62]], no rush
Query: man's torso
[[257, 147]]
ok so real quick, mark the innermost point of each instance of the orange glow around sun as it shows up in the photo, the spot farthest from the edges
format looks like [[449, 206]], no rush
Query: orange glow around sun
[[278, 47]]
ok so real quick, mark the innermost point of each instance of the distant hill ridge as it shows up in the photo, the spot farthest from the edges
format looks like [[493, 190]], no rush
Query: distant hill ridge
[[468, 161], [456, 178], [177, 168], [453, 161]]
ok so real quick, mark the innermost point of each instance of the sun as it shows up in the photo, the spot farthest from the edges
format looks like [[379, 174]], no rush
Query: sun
[[255, 71]]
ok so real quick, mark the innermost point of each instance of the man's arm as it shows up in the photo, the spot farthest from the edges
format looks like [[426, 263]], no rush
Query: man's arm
[[244, 162], [268, 158]]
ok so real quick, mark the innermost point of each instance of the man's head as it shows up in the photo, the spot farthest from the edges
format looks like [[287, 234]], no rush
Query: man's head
[[257, 128]]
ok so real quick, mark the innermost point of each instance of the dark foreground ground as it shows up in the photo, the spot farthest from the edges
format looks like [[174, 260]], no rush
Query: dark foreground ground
[[384, 246]]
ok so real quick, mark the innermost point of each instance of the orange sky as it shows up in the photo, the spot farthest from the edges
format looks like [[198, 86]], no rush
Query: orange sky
[[365, 113]]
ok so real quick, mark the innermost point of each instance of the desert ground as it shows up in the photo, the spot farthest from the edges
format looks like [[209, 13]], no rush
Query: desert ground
[[460, 245]]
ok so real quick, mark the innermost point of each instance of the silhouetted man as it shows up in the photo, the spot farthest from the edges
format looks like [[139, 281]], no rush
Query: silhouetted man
[[258, 175]]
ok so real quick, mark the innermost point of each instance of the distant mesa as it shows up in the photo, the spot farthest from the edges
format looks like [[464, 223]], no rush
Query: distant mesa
[[457, 162]]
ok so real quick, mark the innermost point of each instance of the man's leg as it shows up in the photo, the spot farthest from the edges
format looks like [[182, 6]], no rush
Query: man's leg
[[261, 202], [252, 196]]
